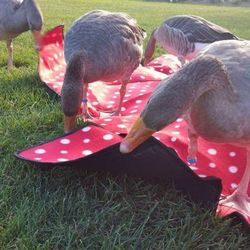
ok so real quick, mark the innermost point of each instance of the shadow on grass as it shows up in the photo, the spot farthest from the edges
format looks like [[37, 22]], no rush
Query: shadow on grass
[[17, 64]]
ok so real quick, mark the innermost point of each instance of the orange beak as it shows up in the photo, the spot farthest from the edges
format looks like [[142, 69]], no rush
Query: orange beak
[[37, 35], [137, 135], [69, 123]]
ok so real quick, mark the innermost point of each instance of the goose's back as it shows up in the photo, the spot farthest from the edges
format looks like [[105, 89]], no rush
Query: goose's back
[[197, 29], [221, 115], [110, 42]]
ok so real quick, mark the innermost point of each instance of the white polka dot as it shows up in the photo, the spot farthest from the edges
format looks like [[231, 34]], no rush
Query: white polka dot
[[64, 152], [232, 154], [142, 77], [111, 102], [212, 151], [109, 106], [123, 109], [234, 185], [94, 103], [117, 93], [133, 111], [143, 90], [138, 101], [173, 139], [202, 175], [127, 95], [108, 137], [179, 120], [87, 140], [192, 167], [212, 165], [65, 141], [108, 120], [233, 169], [86, 129], [177, 126], [62, 159], [114, 97], [40, 151], [175, 132], [103, 124], [87, 152], [121, 126], [38, 158]]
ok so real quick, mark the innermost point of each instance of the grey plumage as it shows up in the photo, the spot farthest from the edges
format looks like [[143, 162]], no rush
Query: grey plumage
[[184, 36], [213, 94], [99, 46], [16, 17]]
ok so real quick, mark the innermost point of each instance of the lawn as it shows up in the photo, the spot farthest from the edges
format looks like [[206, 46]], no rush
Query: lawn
[[74, 209]]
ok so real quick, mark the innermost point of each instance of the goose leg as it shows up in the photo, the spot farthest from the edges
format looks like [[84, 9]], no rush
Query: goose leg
[[9, 44], [85, 113], [239, 198], [122, 94], [192, 148]]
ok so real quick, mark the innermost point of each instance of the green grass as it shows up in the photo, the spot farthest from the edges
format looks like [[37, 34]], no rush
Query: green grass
[[69, 209]]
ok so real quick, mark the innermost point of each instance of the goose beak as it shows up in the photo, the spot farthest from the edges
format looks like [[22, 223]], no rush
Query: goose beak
[[137, 135], [69, 123], [38, 35]]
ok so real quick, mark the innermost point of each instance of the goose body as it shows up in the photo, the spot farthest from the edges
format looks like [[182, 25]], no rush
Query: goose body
[[98, 46], [185, 36], [213, 94], [16, 17]]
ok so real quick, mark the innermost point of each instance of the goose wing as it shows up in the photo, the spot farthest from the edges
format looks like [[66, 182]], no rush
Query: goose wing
[[197, 29]]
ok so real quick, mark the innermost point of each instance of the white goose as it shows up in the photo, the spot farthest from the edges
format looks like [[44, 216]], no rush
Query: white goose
[[99, 46], [16, 17], [213, 91], [184, 36]]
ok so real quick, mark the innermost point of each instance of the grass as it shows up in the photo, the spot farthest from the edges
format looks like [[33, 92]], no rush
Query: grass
[[68, 209]]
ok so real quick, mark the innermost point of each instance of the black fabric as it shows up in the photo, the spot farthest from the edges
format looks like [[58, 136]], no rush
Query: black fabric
[[153, 161]]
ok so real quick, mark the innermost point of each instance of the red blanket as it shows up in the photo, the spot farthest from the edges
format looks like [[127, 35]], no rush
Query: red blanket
[[224, 161]]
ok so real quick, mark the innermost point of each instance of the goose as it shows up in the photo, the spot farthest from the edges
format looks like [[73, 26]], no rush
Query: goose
[[16, 17], [185, 36], [212, 92], [99, 45]]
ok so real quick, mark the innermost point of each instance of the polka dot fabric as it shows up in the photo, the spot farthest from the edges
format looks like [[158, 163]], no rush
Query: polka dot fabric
[[224, 161], [82, 143]]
